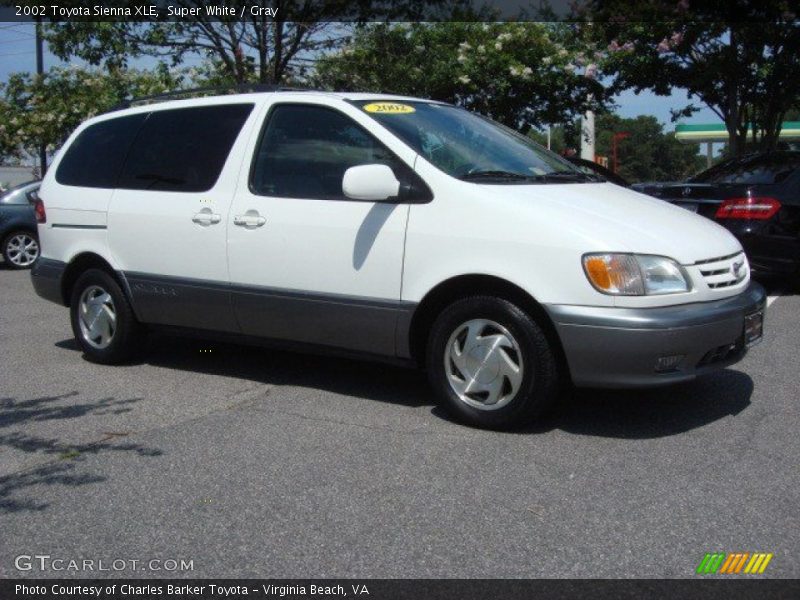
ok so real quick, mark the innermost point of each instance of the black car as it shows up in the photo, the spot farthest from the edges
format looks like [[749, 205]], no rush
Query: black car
[[592, 168], [18, 236], [757, 198]]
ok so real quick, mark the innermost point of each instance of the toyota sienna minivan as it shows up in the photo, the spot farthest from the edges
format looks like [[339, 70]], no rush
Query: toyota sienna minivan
[[386, 227]]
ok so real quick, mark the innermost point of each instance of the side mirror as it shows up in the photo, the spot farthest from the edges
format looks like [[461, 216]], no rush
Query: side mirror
[[370, 182]]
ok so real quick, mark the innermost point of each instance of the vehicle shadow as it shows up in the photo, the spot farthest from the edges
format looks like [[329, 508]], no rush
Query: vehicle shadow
[[655, 413], [360, 379], [625, 414], [65, 462], [646, 413]]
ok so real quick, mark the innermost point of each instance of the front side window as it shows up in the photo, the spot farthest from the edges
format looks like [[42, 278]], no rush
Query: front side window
[[468, 146], [95, 158], [305, 150], [184, 149]]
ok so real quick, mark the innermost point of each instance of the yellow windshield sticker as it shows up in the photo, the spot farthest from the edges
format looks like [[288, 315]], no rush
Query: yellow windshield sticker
[[389, 108]]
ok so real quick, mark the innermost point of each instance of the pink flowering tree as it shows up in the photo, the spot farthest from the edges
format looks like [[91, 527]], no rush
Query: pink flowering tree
[[738, 59]]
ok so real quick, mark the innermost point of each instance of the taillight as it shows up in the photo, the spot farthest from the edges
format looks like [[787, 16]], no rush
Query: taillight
[[38, 208], [759, 209]]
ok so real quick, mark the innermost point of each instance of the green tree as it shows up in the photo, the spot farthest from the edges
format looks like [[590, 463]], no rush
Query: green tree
[[738, 58], [43, 110], [522, 74], [648, 154], [793, 114], [254, 49]]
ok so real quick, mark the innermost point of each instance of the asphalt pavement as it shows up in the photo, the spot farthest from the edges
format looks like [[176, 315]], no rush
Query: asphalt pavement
[[253, 462]]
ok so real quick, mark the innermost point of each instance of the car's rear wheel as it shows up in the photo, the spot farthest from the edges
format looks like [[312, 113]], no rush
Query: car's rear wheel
[[491, 363], [20, 249], [102, 319]]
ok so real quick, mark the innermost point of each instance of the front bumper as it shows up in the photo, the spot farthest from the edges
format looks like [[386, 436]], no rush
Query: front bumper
[[46, 276], [620, 347]]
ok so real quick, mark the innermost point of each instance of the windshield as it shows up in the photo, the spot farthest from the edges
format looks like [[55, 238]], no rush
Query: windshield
[[471, 147]]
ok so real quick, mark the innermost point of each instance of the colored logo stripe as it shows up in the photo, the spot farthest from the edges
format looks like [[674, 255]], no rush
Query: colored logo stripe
[[734, 563], [711, 563], [758, 563]]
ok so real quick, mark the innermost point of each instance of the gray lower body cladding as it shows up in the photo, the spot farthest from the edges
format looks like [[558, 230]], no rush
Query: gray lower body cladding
[[46, 276], [356, 324], [604, 347]]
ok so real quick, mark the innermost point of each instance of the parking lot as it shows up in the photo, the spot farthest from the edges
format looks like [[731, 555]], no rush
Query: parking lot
[[252, 462]]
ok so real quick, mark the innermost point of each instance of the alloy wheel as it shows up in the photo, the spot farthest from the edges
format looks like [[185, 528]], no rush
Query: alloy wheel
[[22, 250]]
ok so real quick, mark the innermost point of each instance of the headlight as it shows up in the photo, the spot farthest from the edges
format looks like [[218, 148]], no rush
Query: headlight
[[634, 274]]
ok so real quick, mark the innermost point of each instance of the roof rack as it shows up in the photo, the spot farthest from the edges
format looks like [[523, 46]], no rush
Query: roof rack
[[242, 88]]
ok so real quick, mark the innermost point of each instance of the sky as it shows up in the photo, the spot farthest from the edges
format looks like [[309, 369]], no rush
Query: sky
[[17, 53]]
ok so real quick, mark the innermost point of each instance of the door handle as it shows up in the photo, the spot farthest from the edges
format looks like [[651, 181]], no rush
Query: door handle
[[249, 220], [206, 218]]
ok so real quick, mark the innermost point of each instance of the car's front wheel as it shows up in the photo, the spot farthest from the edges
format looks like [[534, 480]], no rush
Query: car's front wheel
[[102, 319], [20, 249], [491, 363]]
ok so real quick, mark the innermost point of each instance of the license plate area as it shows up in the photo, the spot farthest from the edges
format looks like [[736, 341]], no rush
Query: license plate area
[[753, 328]]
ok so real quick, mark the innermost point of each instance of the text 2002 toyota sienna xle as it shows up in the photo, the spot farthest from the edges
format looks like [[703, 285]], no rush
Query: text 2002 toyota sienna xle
[[394, 227]]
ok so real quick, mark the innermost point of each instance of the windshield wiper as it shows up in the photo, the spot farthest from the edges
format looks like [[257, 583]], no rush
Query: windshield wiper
[[557, 176], [508, 175], [552, 177]]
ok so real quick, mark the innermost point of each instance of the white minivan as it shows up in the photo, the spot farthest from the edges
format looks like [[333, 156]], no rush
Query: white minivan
[[398, 228]]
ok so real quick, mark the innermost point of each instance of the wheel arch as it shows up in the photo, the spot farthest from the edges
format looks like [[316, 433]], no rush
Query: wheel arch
[[15, 226], [463, 286], [81, 263]]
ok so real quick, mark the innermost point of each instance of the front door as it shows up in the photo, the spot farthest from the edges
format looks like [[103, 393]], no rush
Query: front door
[[306, 263]]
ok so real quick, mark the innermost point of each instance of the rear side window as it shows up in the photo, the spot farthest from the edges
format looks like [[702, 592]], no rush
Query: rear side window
[[183, 150], [305, 150], [95, 158]]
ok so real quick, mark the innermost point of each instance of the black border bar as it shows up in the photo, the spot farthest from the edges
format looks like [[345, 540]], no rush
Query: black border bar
[[617, 11]]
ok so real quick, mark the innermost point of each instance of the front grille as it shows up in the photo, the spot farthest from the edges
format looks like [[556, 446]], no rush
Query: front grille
[[717, 259], [723, 272]]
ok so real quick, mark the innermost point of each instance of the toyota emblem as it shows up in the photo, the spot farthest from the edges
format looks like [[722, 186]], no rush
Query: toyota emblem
[[736, 268]]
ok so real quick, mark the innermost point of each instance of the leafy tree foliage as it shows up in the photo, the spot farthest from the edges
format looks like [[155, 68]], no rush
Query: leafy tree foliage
[[43, 110], [738, 58], [254, 49], [648, 154], [522, 74]]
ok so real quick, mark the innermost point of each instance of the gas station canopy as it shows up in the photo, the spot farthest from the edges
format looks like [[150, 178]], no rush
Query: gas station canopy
[[694, 134], [716, 132]]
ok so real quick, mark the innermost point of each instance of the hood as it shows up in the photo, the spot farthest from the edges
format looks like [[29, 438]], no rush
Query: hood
[[612, 218]]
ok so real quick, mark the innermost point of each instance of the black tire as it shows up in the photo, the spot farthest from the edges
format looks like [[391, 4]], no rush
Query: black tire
[[8, 250], [125, 342], [539, 387]]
